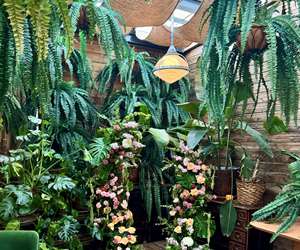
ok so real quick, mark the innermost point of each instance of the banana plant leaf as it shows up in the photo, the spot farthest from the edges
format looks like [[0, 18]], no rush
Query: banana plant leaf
[[228, 218]]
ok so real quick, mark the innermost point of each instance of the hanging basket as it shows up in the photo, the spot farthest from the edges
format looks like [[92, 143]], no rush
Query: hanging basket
[[250, 193], [256, 40]]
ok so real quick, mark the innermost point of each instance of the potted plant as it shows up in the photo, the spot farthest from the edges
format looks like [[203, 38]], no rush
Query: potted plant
[[243, 33], [286, 206], [216, 140], [250, 189]]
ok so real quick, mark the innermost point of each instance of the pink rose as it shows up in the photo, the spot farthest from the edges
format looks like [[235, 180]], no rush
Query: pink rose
[[117, 127], [98, 205]]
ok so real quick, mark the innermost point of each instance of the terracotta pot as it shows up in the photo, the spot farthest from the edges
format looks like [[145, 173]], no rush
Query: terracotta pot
[[256, 40], [223, 179]]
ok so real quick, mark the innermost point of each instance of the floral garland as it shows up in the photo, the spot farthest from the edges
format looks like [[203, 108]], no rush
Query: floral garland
[[188, 220], [114, 219]]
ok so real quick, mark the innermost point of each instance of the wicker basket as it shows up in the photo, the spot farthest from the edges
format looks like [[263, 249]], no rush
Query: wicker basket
[[250, 193]]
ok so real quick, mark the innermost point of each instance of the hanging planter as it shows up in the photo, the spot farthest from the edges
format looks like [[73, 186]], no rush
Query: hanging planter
[[256, 40]]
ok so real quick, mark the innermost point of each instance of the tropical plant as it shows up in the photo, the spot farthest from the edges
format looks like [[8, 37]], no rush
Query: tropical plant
[[226, 49], [285, 207], [217, 138], [36, 183], [140, 86], [70, 114]]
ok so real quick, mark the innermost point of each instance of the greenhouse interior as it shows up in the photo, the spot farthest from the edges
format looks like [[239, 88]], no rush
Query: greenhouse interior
[[149, 124]]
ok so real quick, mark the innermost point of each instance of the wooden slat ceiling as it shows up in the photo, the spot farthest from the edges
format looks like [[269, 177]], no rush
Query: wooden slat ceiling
[[156, 13]]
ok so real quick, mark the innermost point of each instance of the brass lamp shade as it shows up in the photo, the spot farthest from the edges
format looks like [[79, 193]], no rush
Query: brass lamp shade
[[171, 67]]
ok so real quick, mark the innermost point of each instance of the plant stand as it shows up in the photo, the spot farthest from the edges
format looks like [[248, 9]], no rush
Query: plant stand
[[243, 237], [292, 234]]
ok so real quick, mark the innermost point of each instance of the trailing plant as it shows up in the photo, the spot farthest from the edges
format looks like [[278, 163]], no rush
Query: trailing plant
[[104, 19], [285, 208], [228, 49], [189, 221]]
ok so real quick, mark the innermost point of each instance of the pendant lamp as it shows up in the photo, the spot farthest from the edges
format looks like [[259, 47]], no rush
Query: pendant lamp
[[172, 66]]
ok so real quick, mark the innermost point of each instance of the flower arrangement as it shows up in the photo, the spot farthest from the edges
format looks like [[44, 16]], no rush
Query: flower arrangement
[[114, 219], [188, 221]]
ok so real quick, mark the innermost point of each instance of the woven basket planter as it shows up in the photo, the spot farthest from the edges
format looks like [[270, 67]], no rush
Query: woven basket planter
[[250, 193]]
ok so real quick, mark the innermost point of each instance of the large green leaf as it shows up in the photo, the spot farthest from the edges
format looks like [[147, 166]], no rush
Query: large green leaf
[[160, 136], [275, 125], [257, 137], [228, 217], [194, 137], [7, 209], [13, 225], [62, 183], [98, 151]]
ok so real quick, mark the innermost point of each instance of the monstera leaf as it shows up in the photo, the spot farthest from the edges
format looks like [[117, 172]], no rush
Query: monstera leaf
[[62, 183]]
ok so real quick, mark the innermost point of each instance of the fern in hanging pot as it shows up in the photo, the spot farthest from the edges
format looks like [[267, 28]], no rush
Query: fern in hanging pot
[[246, 33], [250, 188]]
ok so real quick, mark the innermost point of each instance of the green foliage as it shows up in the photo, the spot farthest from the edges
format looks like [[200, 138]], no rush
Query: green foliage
[[228, 218], [62, 183], [232, 59], [285, 207], [98, 151], [194, 137], [258, 137], [247, 168], [16, 15], [68, 228]]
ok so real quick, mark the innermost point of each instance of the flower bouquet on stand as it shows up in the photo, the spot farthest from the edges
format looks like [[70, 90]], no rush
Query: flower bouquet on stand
[[189, 225], [112, 218]]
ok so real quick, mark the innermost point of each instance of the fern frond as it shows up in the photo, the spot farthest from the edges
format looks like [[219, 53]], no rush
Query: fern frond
[[39, 11], [63, 11], [248, 15], [16, 14]]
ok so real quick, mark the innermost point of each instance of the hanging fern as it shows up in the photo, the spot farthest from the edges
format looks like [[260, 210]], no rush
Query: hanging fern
[[247, 17], [63, 11], [16, 14], [39, 11]]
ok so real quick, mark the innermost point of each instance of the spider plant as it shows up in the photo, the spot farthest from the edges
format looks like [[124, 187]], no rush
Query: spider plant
[[226, 49]]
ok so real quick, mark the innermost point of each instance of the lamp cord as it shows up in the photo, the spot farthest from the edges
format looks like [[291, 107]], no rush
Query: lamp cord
[[172, 30]]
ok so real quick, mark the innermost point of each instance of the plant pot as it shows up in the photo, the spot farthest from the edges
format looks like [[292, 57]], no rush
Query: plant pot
[[223, 179], [256, 40], [250, 193]]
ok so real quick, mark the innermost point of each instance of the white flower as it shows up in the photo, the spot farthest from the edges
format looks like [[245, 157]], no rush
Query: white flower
[[127, 143], [172, 241], [187, 242], [114, 145], [127, 136], [172, 213], [198, 248], [176, 200], [124, 204]]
